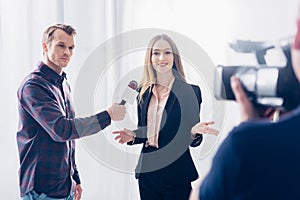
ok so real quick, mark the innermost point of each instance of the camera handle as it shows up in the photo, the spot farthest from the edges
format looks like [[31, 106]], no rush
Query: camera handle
[[260, 56]]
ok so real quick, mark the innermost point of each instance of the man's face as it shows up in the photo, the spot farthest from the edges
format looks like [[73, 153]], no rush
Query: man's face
[[295, 50], [60, 50]]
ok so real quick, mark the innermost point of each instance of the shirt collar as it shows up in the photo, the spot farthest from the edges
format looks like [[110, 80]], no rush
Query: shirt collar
[[51, 74], [170, 84], [154, 88]]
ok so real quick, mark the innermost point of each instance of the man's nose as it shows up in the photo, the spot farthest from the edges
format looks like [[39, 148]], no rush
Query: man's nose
[[67, 51]]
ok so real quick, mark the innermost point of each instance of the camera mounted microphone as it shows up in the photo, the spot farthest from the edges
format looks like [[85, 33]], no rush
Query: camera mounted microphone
[[129, 93]]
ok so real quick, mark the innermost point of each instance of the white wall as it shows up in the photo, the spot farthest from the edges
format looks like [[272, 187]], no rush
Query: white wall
[[210, 24]]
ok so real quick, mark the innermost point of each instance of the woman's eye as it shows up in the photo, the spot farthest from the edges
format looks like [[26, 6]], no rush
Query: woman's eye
[[156, 53]]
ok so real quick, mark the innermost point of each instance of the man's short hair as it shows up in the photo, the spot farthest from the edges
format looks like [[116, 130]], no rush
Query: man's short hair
[[48, 33]]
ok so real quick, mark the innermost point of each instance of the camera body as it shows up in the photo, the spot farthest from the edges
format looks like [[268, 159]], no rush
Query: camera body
[[267, 86]]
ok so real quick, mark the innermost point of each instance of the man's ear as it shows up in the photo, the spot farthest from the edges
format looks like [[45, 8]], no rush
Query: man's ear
[[45, 47]]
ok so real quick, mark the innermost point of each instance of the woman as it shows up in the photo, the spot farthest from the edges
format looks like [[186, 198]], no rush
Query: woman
[[168, 109]]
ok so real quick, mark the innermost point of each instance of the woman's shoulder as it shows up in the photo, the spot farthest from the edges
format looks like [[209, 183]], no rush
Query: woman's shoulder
[[186, 84], [189, 90], [196, 89]]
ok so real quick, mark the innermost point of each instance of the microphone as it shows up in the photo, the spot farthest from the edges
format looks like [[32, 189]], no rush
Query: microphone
[[130, 93]]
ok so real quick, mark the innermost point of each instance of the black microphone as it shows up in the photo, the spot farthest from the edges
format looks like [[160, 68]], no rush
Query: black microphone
[[130, 93]]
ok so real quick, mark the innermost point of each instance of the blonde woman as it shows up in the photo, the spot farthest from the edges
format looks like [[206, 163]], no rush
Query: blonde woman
[[168, 109]]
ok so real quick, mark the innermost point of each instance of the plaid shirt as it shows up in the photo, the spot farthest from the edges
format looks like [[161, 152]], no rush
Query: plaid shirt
[[47, 129]]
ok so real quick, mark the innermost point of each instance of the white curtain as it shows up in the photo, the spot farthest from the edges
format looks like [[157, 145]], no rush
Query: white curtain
[[100, 23]]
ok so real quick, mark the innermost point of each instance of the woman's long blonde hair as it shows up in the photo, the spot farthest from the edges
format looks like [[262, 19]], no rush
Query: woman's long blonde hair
[[149, 75]]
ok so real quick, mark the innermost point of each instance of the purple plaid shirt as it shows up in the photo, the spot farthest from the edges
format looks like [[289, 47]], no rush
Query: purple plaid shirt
[[47, 129]]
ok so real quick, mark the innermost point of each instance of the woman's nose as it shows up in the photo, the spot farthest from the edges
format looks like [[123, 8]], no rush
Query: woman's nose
[[161, 56]]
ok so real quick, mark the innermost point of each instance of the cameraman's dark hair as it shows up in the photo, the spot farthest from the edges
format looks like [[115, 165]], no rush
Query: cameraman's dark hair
[[48, 33]]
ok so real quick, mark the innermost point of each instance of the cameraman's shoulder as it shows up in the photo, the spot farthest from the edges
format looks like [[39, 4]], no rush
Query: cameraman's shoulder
[[249, 130], [250, 125]]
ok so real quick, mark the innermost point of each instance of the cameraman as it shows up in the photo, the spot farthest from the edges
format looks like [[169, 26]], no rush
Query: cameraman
[[259, 159]]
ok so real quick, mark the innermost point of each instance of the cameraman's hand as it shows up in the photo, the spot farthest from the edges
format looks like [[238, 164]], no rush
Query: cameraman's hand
[[246, 107], [248, 110], [117, 112]]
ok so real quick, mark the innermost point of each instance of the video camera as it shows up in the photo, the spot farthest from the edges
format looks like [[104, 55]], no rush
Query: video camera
[[266, 86]]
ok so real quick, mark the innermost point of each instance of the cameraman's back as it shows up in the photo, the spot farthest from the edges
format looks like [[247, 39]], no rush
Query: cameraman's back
[[269, 158], [258, 160]]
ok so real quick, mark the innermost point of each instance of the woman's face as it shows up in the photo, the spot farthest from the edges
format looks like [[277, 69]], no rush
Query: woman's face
[[162, 57]]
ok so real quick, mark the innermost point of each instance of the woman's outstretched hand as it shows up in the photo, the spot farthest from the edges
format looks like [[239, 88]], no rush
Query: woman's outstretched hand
[[124, 136], [204, 128]]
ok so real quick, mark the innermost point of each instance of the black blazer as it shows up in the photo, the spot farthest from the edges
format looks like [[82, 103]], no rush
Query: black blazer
[[172, 161]]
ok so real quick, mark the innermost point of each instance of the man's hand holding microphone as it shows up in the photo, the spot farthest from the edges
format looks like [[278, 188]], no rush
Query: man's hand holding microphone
[[117, 111]]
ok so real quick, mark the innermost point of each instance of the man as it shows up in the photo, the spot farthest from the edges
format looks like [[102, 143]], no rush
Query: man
[[47, 124], [259, 159]]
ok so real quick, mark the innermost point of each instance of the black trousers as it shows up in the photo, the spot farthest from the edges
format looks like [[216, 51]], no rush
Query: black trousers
[[152, 187]]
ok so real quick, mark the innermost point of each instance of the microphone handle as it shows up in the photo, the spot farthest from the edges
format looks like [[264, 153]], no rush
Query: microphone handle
[[122, 102]]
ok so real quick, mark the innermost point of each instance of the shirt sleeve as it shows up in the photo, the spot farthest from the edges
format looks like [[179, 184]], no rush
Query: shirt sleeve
[[197, 139], [140, 132], [43, 105], [140, 136]]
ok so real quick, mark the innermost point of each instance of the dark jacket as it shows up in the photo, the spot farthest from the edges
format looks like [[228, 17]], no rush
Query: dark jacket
[[172, 161]]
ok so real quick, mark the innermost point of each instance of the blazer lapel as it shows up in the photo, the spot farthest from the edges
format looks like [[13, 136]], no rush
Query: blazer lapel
[[144, 106], [175, 92]]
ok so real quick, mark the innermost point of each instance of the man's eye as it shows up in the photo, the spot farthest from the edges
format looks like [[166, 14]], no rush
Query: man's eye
[[61, 45]]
